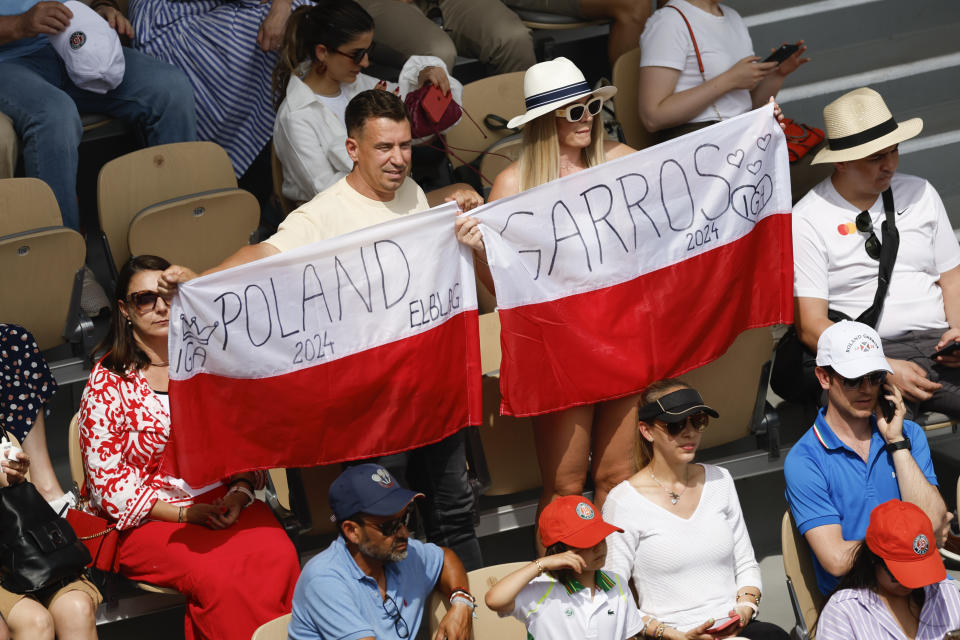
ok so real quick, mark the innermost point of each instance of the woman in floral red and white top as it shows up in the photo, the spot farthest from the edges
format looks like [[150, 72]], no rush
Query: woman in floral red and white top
[[221, 548]]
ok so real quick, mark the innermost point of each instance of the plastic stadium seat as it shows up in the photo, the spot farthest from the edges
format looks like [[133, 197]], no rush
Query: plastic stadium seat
[[276, 629], [626, 78], [486, 624], [805, 596], [500, 95]]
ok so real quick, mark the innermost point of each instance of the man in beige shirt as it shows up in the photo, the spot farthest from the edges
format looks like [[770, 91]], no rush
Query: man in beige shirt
[[378, 190]]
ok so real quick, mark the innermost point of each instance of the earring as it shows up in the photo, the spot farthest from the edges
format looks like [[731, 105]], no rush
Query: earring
[[129, 323]]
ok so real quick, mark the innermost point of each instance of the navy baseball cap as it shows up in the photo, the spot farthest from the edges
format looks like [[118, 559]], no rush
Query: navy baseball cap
[[368, 488]]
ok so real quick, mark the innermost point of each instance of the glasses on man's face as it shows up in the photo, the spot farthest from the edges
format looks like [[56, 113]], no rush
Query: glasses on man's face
[[357, 54], [144, 301], [394, 612], [865, 225], [391, 527], [576, 112], [699, 421], [875, 378]]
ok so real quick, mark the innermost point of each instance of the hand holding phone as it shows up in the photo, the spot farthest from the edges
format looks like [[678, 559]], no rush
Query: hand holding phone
[[782, 53], [946, 350], [724, 625]]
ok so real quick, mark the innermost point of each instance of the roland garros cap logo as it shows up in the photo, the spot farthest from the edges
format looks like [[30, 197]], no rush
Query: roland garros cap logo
[[77, 39], [862, 343], [921, 545], [382, 477], [585, 511]]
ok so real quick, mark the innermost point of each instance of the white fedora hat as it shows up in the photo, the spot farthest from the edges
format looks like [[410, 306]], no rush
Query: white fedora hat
[[550, 85], [859, 124]]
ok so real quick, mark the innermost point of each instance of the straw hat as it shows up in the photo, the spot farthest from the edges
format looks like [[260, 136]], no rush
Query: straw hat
[[552, 84], [859, 124]]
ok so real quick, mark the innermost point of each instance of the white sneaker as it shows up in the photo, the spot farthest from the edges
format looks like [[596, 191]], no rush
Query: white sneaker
[[93, 299]]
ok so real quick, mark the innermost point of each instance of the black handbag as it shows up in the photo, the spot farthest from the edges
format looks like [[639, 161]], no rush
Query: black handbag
[[38, 548], [793, 376]]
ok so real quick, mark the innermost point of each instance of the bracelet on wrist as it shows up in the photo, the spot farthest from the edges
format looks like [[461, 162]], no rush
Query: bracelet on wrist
[[180, 515], [661, 628], [749, 594], [539, 567], [747, 603], [241, 489]]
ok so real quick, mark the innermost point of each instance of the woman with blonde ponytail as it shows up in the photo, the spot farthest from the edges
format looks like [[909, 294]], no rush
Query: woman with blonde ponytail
[[325, 50]]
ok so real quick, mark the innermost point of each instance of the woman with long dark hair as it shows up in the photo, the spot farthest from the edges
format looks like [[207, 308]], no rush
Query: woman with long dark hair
[[325, 50], [218, 545], [897, 587]]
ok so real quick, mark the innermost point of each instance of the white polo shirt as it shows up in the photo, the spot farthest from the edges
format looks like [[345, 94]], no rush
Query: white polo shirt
[[554, 610], [831, 261]]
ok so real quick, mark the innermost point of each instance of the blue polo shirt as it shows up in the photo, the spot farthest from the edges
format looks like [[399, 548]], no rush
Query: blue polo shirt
[[25, 46], [828, 483], [335, 600]]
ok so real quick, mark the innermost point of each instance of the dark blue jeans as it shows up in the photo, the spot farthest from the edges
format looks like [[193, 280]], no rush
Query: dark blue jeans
[[439, 471], [45, 106]]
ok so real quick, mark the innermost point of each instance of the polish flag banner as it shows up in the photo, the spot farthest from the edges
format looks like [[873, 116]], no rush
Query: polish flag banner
[[362, 345], [643, 267]]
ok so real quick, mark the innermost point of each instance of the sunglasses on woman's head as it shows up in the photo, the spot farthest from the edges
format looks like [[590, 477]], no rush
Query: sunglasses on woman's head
[[698, 421], [357, 54], [576, 112], [875, 378], [144, 300]]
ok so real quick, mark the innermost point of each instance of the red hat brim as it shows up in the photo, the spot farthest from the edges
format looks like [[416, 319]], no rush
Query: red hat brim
[[585, 538], [915, 574]]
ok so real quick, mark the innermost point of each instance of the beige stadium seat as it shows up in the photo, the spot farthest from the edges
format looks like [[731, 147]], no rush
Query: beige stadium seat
[[41, 262], [805, 596], [626, 78], [486, 624], [553, 21], [734, 402], [508, 446], [79, 476], [500, 95], [500, 156], [276, 629], [168, 181]]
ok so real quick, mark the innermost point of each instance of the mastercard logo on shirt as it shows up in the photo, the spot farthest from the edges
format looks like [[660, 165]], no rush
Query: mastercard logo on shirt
[[847, 228]]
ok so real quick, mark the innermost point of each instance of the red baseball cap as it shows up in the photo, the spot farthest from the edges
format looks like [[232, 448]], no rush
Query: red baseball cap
[[901, 533], [574, 521]]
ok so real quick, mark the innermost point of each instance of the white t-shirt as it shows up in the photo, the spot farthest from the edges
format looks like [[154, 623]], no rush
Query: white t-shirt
[[342, 209], [723, 41], [555, 611], [831, 262], [685, 571]]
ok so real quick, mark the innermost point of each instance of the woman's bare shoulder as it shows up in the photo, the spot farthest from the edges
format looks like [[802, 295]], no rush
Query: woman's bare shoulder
[[613, 149], [507, 183]]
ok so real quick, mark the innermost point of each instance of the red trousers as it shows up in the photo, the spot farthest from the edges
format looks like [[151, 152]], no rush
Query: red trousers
[[234, 579]]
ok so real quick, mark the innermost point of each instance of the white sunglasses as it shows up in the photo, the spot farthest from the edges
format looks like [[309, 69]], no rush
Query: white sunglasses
[[576, 112]]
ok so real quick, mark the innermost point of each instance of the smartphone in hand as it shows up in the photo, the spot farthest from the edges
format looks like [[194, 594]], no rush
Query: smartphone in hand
[[724, 625], [946, 350], [781, 54]]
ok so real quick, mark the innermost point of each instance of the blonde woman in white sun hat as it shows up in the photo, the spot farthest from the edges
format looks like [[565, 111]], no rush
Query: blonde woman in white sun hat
[[562, 135]]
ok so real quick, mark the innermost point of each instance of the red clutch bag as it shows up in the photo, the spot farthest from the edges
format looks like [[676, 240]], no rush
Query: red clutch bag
[[98, 536]]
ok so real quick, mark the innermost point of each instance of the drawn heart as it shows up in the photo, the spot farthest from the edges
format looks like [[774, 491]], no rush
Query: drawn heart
[[754, 167], [749, 200], [763, 142], [735, 158]]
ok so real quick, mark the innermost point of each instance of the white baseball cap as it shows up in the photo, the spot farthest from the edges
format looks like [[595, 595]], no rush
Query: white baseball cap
[[90, 50], [852, 349]]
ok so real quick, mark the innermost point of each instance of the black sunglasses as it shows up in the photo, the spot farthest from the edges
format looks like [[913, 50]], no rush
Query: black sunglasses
[[357, 54], [698, 421], [391, 527], [865, 225], [401, 627], [875, 378], [144, 300]]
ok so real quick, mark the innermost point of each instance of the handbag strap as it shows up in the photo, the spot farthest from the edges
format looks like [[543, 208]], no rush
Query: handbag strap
[[888, 256], [696, 50]]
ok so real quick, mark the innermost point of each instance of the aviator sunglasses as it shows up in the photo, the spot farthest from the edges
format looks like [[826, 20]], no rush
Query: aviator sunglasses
[[391, 527], [699, 421], [865, 225], [875, 378], [576, 112], [144, 301], [357, 54]]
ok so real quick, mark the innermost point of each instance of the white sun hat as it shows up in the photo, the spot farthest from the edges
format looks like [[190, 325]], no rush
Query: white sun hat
[[859, 124], [550, 85], [90, 50]]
